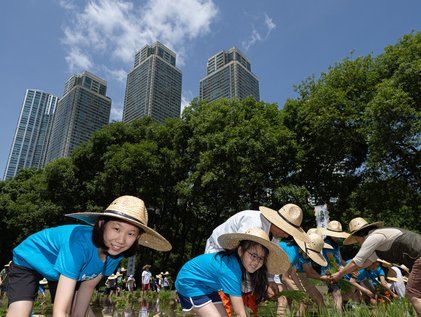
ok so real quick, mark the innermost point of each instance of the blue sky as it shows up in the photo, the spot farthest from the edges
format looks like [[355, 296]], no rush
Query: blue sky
[[44, 42]]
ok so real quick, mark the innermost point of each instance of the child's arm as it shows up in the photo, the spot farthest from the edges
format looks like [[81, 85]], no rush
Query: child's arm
[[238, 306], [83, 296], [310, 272], [64, 296]]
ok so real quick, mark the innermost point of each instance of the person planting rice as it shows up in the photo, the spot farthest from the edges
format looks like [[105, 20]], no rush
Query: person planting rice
[[277, 224], [390, 244], [334, 234], [246, 255], [76, 257], [300, 255]]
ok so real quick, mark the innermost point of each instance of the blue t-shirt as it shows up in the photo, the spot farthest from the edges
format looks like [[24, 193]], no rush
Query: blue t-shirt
[[66, 250], [331, 255], [208, 273], [370, 275], [295, 257]]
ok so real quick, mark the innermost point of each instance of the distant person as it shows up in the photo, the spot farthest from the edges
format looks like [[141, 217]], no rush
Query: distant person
[[200, 279], [4, 279], [72, 256], [131, 283], [146, 278]]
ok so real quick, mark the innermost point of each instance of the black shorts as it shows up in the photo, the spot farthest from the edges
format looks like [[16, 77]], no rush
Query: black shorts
[[24, 284]]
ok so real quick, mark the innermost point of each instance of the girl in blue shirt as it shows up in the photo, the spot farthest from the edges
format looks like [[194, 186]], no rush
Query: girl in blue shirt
[[247, 257], [76, 257]]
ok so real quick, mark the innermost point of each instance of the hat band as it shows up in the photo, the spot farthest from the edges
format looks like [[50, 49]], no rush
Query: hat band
[[333, 230], [305, 244], [119, 213], [289, 222]]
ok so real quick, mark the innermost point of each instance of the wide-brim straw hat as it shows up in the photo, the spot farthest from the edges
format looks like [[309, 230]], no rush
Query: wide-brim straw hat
[[314, 248], [384, 263], [112, 277], [404, 268], [146, 266], [43, 281], [318, 231], [277, 261], [358, 224], [167, 273], [288, 219], [392, 276], [334, 229], [123, 269], [132, 210]]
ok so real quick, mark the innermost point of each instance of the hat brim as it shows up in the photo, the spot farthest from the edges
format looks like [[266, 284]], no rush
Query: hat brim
[[150, 238], [395, 279], [384, 263], [146, 266], [277, 260], [315, 256], [351, 239], [42, 282], [112, 277], [335, 234], [273, 217]]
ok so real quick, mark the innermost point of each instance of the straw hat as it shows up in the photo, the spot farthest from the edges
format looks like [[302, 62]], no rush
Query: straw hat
[[112, 277], [159, 276], [8, 264], [167, 273], [123, 269], [288, 218], [313, 248], [43, 281], [404, 268], [146, 266], [384, 263], [277, 260], [358, 224], [392, 276], [334, 229], [130, 209], [318, 231]]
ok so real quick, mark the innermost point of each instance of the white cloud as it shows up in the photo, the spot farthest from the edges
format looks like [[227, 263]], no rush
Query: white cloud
[[185, 100], [269, 24], [116, 112], [256, 36], [116, 29], [116, 74], [78, 60], [67, 4]]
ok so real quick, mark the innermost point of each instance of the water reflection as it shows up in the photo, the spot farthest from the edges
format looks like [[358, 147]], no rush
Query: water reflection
[[144, 309]]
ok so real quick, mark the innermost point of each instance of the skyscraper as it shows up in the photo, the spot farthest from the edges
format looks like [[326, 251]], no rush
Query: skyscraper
[[153, 86], [30, 141], [83, 109], [229, 76]]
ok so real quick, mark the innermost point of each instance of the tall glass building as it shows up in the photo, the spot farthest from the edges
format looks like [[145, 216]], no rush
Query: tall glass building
[[229, 76], [83, 109], [30, 141], [153, 86]]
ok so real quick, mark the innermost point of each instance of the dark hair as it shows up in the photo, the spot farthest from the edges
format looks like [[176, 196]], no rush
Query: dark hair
[[98, 237], [258, 279], [364, 232]]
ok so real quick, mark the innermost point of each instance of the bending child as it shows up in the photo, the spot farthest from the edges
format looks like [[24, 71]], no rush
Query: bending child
[[246, 254], [76, 257]]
